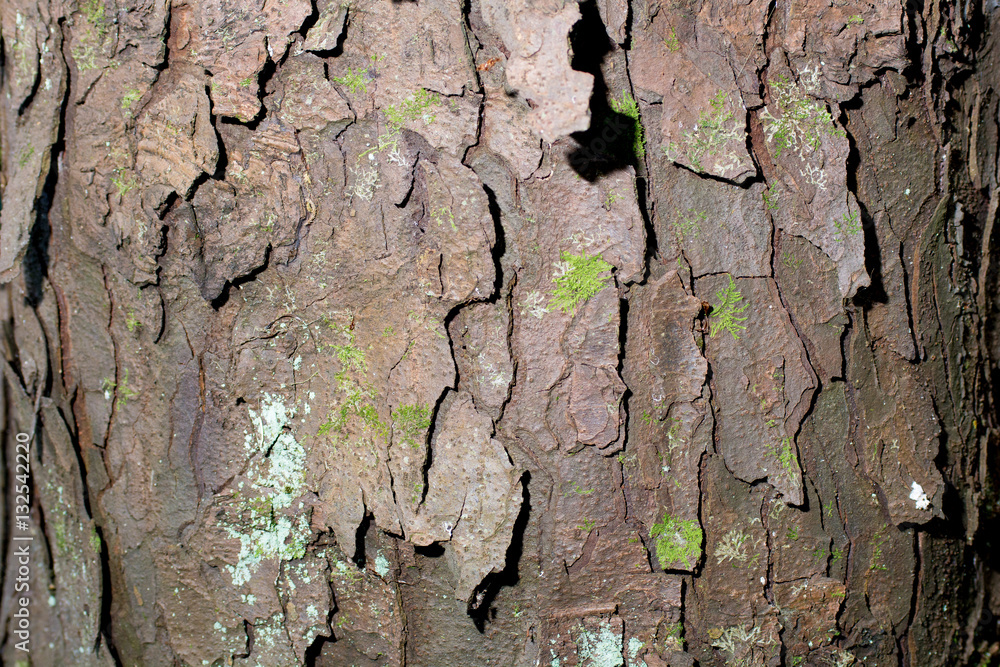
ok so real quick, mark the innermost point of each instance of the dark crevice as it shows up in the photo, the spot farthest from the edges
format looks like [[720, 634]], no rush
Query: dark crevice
[[106, 635], [223, 160], [34, 88], [360, 557], [263, 78], [652, 251], [36, 258], [164, 64], [956, 516], [432, 431], [875, 292], [499, 247], [35, 265], [337, 50], [78, 452], [629, 20], [481, 608], [433, 550], [315, 650], [409, 191], [309, 21], [223, 298], [623, 310]]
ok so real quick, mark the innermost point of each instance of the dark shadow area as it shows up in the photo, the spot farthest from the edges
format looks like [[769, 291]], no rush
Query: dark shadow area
[[338, 49], [432, 550], [500, 247], [951, 504], [221, 300], [481, 608], [106, 635], [652, 243], [874, 293], [310, 20], [266, 72], [35, 264], [623, 310], [607, 145], [360, 558]]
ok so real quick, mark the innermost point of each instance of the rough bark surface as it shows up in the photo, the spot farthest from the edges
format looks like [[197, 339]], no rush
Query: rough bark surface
[[399, 333]]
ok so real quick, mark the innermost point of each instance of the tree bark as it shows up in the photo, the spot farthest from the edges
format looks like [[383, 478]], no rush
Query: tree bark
[[399, 333]]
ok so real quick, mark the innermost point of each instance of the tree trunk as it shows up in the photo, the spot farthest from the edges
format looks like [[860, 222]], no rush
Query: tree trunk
[[397, 333]]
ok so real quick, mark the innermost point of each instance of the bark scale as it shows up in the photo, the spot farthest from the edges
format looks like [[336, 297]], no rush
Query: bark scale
[[399, 333]]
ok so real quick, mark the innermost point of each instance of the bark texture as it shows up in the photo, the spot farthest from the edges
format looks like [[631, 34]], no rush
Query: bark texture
[[502, 332]]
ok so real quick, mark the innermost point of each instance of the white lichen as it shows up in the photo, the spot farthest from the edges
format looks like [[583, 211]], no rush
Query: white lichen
[[842, 658], [737, 640], [732, 547], [814, 176], [366, 181], [809, 78], [634, 646], [381, 564], [919, 498], [534, 305], [603, 649], [276, 475]]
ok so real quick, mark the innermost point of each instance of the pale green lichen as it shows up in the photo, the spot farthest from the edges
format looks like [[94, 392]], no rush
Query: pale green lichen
[[355, 79], [132, 322], [577, 279], [268, 634], [358, 406], [417, 105], [534, 305], [786, 457], [25, 155], [674, 640], [671, 42], [843, 658], [848, 224], [131, 96], [350, 356], [124, 182], [88, 37], [443, 214], [770, 197], [677, 540], [366, 181], [276, 478], [410, 423], [688, 225], [121, 389], [726, 315]]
